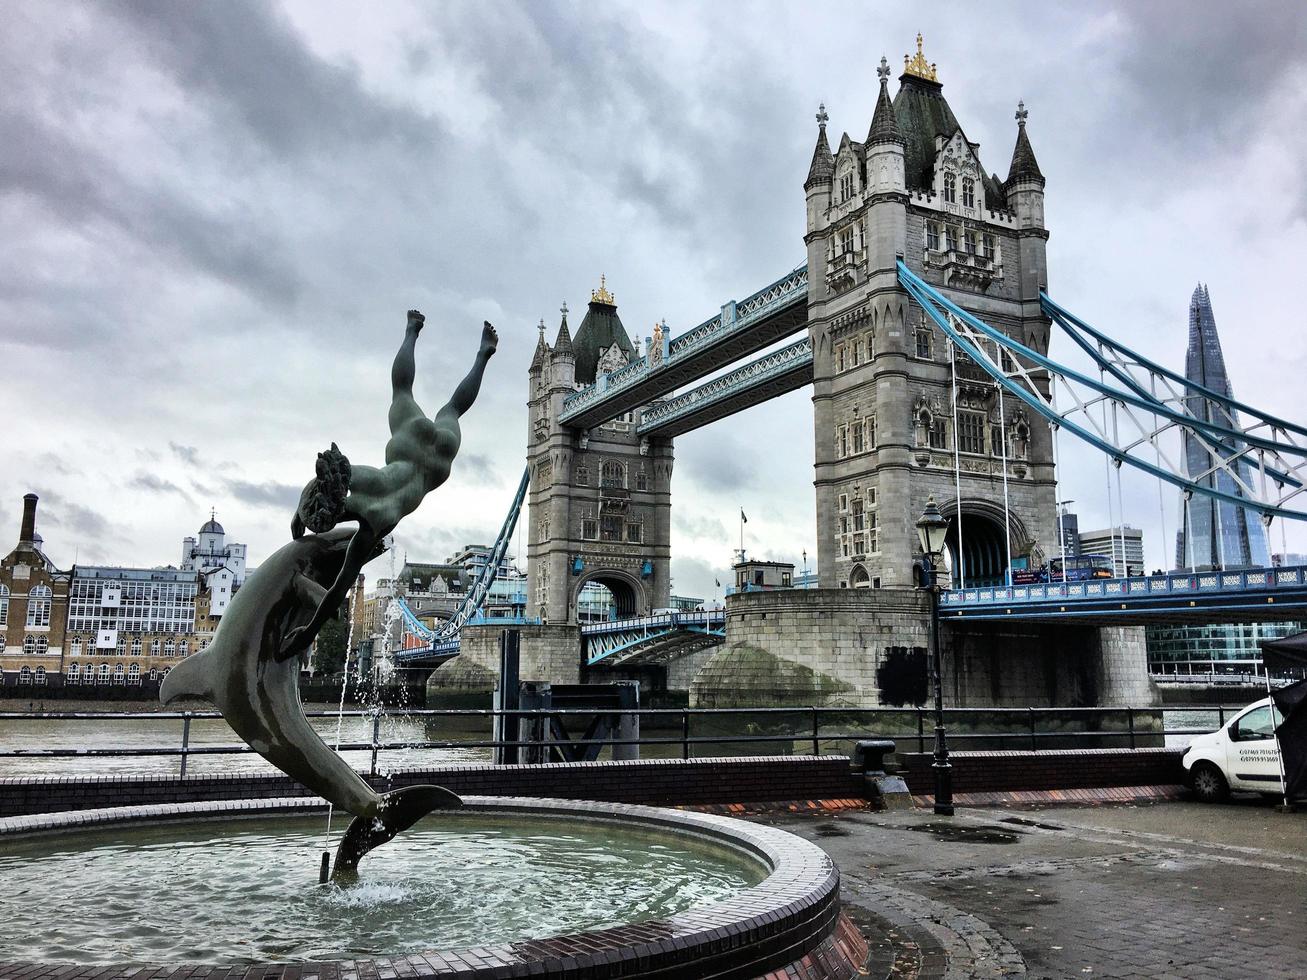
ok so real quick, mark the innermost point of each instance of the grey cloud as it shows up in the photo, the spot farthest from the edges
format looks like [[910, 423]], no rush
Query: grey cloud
[[696, 577], [721, 466], [152, 483], [89, 525], [282, 496], [699, 527], [478, 467], [187, 454]]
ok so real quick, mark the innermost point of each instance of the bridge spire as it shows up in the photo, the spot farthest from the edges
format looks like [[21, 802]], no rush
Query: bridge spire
[[1024, 166], [884, 124], [563, 342], [919, 66], [822, 169]]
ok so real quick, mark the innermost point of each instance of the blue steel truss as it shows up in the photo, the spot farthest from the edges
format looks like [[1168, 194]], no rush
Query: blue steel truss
[[790, 290], [1279, 461], [447, 633], [796, 358], [651, 639]]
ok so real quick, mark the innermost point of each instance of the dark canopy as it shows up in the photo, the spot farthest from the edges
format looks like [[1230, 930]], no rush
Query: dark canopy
[[1290, 652]]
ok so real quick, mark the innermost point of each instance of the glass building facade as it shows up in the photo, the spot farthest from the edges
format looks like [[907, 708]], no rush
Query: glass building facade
[[1212, 648]]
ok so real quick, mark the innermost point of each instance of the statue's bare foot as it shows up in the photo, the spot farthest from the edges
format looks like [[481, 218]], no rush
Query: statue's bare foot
[[489, 339], [415, 321]]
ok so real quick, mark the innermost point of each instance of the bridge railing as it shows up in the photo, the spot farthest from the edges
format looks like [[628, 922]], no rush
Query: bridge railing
[[1138, 587], [715, 617], [664, 732]]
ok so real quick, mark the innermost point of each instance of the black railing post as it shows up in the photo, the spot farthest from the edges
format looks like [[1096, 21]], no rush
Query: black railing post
[[186, 741], [921, 729], [1130, 720], [685, 733], [376, 737], [816, 732], [1034, 739], [1220, 716]]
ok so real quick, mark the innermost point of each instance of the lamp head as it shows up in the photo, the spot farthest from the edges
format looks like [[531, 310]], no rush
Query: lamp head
[[932, 528]]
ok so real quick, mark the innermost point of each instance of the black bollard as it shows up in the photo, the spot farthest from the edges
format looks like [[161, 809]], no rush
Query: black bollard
[[325, 871]]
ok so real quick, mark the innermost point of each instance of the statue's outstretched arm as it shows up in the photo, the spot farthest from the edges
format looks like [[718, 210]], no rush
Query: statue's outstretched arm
[[359, 552]]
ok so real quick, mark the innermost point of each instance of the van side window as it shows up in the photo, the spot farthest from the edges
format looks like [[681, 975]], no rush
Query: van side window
[[1255, 725]]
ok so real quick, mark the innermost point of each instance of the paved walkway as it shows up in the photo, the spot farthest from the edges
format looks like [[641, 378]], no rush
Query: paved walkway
[[1167, 891]]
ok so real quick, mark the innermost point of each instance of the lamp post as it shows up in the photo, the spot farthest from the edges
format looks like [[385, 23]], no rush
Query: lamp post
[[931, 531]]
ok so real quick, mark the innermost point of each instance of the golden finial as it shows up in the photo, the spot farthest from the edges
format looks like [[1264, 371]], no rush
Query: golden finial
[[602, 295], [919, 66]]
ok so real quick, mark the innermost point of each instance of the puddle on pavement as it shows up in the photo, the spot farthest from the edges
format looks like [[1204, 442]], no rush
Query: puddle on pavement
[[830, 830], [949, 833], [1031, 823]]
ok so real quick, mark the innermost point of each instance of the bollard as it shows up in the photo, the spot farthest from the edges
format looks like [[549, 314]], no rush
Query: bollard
[[868, 763]]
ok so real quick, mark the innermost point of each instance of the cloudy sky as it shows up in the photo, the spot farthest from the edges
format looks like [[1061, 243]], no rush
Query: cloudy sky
[[216, 214]]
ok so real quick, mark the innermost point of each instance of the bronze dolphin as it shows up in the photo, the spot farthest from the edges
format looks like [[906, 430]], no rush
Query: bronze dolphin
[[243, 674]]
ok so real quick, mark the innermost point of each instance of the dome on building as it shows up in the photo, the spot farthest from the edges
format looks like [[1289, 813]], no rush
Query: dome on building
[[211, 526]]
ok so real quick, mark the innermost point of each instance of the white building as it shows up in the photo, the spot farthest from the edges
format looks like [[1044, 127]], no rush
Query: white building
[[1124, 545], [221, 565]]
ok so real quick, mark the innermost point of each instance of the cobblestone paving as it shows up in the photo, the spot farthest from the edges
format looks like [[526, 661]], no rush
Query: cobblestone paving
[[1175, 890]]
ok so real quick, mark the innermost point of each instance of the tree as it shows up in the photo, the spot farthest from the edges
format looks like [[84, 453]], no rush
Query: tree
[[329, 654]]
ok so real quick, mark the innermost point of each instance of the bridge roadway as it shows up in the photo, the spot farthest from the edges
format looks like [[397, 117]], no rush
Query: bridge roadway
[[769, 315], [649, 640], [1245, 596]]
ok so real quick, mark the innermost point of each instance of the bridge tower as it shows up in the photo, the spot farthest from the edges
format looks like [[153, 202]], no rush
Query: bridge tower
[[600, 499], [883, 394]]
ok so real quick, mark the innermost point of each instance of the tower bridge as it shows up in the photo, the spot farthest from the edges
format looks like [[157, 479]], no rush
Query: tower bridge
[[924, 327]]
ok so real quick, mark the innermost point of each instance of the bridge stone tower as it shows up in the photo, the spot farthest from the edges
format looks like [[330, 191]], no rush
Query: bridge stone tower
[[887, 433], [600, 499]]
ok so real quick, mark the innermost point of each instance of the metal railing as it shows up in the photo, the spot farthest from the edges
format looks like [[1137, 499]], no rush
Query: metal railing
[[815, 726]]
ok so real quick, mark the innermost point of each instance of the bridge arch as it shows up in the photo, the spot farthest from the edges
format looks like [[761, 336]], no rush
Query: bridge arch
[[629, 595], [983, 555]]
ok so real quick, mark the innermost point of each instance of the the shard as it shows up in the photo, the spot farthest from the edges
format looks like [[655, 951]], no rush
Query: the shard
[[1214, 533]]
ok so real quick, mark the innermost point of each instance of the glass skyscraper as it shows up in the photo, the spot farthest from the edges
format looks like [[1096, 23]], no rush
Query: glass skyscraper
[[1214, 533]]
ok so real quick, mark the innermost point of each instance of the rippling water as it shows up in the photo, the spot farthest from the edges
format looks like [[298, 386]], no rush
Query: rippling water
[[245, 890]]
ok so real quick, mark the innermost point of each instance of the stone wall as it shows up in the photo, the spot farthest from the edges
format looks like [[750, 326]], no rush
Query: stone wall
[[548, 653], [868, 648]]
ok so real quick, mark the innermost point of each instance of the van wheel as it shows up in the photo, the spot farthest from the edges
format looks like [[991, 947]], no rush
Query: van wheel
[[1209, 784]]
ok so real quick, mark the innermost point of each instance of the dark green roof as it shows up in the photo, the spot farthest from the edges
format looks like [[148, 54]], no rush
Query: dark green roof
[[600, 329], [884, 124], [823, 164], [1024, 165], [922, 114]]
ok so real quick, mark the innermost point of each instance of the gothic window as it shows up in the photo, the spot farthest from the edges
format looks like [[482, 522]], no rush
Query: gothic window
[[846, 186], [589, 527], [122, 643], [610, 528], [988, 242], [134, 674], [950, 189], [968, 192], [870, 424], [25, 675], [73, 673], [950, 238], [932, 236], [4, 605], [38, 606], [169, 648], [29, 644], [635, 532], [641, 480], [873, 535], [844, 501], [971, 432], [614, 474], [857, 353], [845, 240], [938, 436], [154, 648], [136, 646], [857, 438], [871, 346], [859, 517], [996, 439], [969, 241], [183, 648], [923, 340], [582, 475], [839, 358], [544, 529], [841, 443], [118, 673]]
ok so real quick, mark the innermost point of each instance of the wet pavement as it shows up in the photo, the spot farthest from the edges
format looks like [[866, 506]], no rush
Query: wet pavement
[[1165, 891]]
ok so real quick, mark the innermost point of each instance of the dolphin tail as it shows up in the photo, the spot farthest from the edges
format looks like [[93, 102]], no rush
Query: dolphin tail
[[399, 810], [191, 678]]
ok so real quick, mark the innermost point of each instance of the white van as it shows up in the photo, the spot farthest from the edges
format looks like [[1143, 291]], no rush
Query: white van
[[1242, 755]]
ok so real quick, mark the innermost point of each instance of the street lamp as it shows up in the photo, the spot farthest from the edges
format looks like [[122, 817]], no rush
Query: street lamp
[[932, 528]]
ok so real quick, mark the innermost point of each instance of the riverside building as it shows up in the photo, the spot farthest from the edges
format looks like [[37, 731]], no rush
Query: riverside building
[[33, 609]]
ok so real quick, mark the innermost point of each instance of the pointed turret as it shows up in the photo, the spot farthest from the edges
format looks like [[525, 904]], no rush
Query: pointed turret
[[541, 352], [884, 124], [1024, 165], [563, 342], [822, 168], [599, 331]]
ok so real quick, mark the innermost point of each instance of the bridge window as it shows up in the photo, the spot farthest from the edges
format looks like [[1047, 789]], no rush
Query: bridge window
[[871, 345], [589, 529], [996, 439], [610, 529], [613, 474], [844, 241], [635, 532], [969, 241], [870, 424], [932, 236], [988, 243], [846, 186], [841, 441], [582, 475], [641, 480], [950, 238], [839, 358], [971, 432], [950, 189], [968, 192], [938, 435], [38, 606], [844, 501], [857, 353], [923, 339], [858, 516], [857, 437]]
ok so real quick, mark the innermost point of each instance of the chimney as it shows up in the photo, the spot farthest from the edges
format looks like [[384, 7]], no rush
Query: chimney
[[28, 532]]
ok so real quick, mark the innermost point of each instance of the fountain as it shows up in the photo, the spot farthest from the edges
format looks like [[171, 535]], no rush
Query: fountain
[[479, 886]]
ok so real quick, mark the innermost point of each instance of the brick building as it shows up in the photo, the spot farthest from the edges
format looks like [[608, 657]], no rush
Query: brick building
[[33, 609]]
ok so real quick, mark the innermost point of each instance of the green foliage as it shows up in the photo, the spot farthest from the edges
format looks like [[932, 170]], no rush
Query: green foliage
[[329, 656]]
